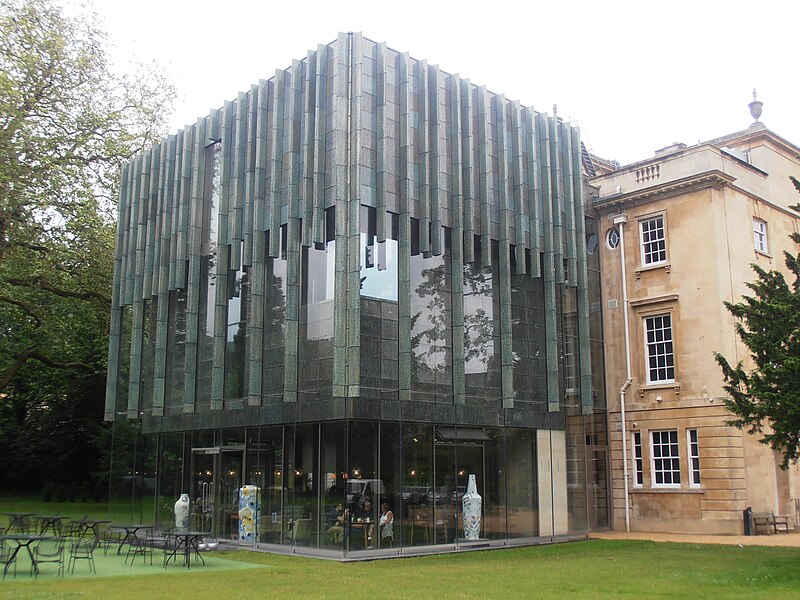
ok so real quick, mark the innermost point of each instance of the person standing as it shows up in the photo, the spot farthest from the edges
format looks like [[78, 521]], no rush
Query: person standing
[[386, 525]]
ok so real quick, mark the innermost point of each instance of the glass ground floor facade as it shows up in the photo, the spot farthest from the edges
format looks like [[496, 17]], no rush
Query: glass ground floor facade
[[321, 488]]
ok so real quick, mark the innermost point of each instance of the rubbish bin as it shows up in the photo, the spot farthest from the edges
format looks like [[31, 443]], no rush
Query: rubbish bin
[[747, 515]]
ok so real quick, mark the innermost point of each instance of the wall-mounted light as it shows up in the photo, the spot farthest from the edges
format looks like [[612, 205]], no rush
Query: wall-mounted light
[[659, 399]]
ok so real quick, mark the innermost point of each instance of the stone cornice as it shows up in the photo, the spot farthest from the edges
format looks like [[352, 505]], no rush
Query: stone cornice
[[714, 179], [653, 300]]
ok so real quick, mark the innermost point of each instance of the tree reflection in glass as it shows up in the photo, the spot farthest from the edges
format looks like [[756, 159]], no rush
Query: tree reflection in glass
[[431, 318]]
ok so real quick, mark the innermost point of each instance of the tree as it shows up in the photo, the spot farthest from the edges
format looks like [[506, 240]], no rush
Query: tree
[[766, 399], [67, 123]]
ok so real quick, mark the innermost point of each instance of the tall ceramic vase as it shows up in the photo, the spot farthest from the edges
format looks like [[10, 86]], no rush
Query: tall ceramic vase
[[249, 512], [471, 505], [182, 512]]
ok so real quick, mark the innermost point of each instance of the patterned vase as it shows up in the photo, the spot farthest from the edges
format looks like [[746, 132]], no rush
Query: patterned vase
[[471, 505], [249, 512], [182, 512]]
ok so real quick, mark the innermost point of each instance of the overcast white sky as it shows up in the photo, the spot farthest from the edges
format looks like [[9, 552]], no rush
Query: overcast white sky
[[635, 76]]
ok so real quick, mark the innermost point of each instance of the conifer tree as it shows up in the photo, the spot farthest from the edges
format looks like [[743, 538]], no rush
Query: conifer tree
[[765, 400]]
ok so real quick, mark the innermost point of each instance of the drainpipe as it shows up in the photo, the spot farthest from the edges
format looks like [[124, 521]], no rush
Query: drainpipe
[[620, 220]]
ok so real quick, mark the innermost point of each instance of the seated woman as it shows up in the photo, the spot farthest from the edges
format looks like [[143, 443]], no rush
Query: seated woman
[[386, 524]]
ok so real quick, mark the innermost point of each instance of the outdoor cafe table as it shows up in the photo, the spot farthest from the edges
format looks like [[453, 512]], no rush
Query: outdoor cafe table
[[185, 542], [92, 524], [23, 540], [50, 522], [131, 529], [17, 520]]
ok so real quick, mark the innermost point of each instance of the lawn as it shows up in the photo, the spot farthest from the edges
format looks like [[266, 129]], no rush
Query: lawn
[[590, 569]]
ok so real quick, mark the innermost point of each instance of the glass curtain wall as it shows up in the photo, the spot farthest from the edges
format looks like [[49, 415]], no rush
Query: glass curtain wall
[[323, 485], [524, 446], [176, 352], [482, 327], [315, 347], [431, 320], [379, 316], [208, 276], [147, 372], [236, 332], [274, 321]]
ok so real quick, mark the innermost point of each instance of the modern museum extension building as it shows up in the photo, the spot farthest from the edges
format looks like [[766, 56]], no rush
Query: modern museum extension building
[[364, 282]]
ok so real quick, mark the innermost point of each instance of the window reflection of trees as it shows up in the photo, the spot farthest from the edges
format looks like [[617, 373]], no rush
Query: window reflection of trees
[[478, 318], [431, 320]]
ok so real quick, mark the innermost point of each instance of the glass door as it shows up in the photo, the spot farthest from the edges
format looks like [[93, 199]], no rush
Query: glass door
[[598, 490], [217, 478]]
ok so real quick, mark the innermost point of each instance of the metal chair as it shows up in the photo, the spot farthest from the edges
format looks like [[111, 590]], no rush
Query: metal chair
[[5, 555], [48, 551], [82, 546], [138, 546]]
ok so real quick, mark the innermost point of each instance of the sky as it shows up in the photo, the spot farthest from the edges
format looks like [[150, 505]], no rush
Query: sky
[[635, 76]]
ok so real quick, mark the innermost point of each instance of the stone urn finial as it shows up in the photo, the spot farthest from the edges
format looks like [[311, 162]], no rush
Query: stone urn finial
[[755, 107]]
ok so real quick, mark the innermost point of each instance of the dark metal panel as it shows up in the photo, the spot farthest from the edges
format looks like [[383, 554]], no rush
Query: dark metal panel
[[548, 265], [484, 194], [308, 153], [152, 222], [556, 198], [517, 183], [249, 177], [469, 170], [434, 184], [175, 212], [339, 138], [260, 214], [568, 167], [321, 100], [276, 143], [381, 141], [584, 347], [405, 187], [535, 195]]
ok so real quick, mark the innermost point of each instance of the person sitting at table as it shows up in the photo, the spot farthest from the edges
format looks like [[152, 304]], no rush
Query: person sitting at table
[[365, 516], [386, 525], [336, 522]]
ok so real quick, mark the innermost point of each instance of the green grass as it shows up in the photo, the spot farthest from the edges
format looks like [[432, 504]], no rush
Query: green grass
[[118, 511], [591, 569]]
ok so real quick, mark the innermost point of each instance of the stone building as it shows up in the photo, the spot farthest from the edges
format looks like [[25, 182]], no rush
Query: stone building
[[363, 279], [679, 232]]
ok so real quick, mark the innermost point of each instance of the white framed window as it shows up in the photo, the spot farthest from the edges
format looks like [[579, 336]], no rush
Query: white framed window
[[665, 463], [694, 457], [659, 350], [760, 236], [638, 462], [654, 241], [612, 238]]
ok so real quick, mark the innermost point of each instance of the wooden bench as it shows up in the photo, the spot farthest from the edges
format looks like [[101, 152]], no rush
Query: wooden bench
[[768, 523]]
